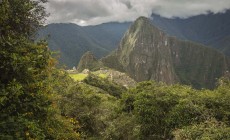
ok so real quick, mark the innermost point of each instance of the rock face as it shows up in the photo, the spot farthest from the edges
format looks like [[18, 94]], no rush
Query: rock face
[[147, 53], [89, 61]]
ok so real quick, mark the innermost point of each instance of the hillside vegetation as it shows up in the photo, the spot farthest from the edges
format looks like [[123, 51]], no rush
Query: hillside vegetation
[[148, 111], [39, 101]]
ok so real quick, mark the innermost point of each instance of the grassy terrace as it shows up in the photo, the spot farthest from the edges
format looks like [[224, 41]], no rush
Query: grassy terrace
[[81, 76]]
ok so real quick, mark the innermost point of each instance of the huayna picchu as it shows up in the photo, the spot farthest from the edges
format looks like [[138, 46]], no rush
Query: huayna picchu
[[147, 53]]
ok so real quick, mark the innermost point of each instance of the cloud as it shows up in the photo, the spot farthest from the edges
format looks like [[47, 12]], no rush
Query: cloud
[[92, 12]]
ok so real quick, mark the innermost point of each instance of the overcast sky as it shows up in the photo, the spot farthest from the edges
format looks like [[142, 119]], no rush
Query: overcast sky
[[92, 12]]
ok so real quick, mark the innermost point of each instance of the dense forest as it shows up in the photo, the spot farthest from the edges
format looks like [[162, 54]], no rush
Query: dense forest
[[40, 101]]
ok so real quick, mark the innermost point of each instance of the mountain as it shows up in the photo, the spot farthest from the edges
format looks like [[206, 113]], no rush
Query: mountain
[[147, 53], [212, 29], [89, 61], [108, 34], [72, 41]]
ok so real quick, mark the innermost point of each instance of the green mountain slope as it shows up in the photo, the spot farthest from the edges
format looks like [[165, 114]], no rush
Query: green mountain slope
[[72, 41], [89, 61], [147, 53]]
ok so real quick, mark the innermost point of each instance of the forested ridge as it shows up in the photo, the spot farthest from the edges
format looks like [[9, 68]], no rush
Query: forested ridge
[[39, 101]]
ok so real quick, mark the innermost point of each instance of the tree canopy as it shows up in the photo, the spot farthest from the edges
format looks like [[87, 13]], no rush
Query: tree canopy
[[27, 108]]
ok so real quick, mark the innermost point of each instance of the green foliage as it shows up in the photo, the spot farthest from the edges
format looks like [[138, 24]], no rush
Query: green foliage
[[108, 86], [28, 98], [21, 17], [24, 68], [151, 106], [101, 75], [149, 111], [122, 127], [59, 126], [161, 109], [208, 130], [92, 107]]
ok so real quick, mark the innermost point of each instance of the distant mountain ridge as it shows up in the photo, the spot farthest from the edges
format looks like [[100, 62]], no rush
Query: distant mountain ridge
[[147, 53], [72, 41], [212, 29]]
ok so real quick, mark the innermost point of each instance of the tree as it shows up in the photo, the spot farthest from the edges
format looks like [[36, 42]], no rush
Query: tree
[[21, 17], [25, 67], [208, 130]]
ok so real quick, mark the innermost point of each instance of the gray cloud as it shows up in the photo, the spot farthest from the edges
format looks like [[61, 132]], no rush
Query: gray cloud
[[91, 12]]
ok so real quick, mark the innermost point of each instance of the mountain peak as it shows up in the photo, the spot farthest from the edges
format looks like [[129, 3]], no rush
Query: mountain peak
[[89, 61], [145, 26], [145, 54], [142, 19], [141, 22]]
